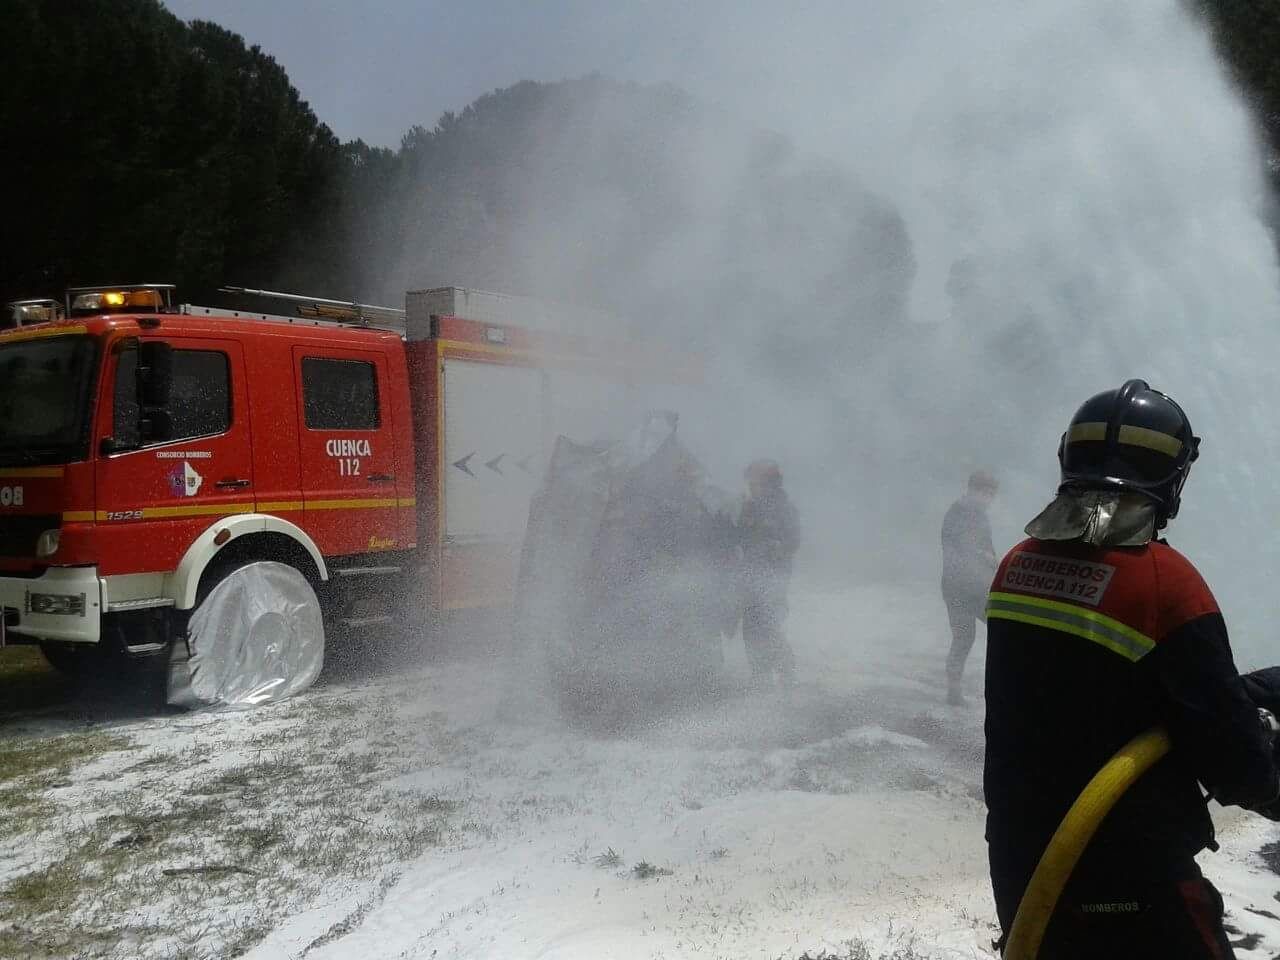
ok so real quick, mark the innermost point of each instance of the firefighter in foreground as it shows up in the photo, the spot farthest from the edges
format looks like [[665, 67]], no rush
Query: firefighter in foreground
[[968, 560], [769, 532], [1097, 631]]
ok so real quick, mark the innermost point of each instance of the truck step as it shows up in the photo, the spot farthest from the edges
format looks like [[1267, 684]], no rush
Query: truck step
[[148, 603], [367, 571], [136, 649]]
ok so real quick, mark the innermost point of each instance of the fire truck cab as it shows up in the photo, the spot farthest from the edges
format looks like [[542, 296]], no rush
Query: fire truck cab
[[135, 447]]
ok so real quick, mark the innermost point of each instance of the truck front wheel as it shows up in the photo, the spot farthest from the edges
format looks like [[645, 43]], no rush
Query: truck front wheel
[[255, 635], [72, 660]]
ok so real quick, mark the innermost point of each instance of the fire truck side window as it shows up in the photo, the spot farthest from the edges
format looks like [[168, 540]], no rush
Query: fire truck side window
[[200, 399], [340, 394]]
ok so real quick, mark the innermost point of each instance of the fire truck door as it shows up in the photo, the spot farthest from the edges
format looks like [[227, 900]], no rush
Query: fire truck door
[[347, 450], [168, 472]]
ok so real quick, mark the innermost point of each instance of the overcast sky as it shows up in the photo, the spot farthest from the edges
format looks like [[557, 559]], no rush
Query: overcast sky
[[374, 69]]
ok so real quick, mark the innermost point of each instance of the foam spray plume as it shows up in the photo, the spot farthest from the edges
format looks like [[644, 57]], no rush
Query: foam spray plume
[[1085, 177]]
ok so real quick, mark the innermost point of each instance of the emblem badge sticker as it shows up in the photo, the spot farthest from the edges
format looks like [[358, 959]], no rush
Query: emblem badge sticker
[[184, 481]]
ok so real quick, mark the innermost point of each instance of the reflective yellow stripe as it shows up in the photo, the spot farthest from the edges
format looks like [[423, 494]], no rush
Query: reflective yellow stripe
[[200, 510], [1151, 439], [167, 513], [20, 473], [297, 506], [1129, 435], [77, 516], [350, 504], [1071, 609], [1068, 618], [1087, 433], [281, 506], [211, 509], [40, 333]]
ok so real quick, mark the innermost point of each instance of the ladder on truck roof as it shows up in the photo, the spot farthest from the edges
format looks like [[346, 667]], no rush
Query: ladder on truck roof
[[482, 306], [318, 310]]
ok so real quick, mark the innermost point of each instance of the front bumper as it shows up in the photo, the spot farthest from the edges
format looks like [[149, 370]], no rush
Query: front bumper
[[79, 583]]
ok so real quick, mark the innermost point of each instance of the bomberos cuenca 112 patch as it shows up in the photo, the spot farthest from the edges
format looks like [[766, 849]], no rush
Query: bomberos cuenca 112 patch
[[1080, 581]]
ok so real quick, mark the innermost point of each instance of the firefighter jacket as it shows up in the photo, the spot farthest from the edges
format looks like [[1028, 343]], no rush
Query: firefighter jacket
[[1086, 648], [769, 534]]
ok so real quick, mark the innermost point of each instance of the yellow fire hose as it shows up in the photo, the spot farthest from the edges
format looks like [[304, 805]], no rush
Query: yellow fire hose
[[1073, 835]]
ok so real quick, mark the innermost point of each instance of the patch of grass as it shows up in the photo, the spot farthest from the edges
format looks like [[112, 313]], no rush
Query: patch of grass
[[150, 763], [644, 870], [51, 758], [274, 831], [353, 920], [254, 840], [27, 682], [47, 890], [858, 950], [610, 858], [245, 935], [29, 767], [434, 805], [257, 774], [21, 808], [1270, 854], [324, 709], [355, 768], [23, 663]]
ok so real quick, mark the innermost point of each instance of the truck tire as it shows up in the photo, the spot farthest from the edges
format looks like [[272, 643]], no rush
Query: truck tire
[[73, 660], [255, 635]]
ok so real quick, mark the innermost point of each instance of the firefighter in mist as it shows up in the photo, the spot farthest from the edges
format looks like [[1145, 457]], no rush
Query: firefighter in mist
[[968, 561], [1097, 631], [769, 534]]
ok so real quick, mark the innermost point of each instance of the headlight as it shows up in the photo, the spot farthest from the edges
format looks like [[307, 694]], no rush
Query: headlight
[[56, 604], [48, 543]]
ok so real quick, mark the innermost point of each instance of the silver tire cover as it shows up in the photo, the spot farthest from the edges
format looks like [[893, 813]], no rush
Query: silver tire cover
[[257, 637]]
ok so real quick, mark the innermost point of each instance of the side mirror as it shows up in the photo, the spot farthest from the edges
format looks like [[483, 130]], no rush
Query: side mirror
[[155, 373]]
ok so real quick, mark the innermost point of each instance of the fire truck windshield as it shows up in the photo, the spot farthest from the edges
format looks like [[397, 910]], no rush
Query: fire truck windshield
[[46, 388]]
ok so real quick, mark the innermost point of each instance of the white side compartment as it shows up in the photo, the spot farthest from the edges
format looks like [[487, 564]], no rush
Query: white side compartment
[[493, 456], [500, 309]]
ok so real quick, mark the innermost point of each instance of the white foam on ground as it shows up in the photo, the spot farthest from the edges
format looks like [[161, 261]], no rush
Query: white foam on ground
[[849, 812]]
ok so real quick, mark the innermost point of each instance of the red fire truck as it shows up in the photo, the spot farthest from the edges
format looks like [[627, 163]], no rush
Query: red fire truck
[[148, 450]]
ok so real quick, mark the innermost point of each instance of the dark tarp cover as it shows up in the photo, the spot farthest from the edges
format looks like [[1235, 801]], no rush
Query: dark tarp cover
[[627, 576]]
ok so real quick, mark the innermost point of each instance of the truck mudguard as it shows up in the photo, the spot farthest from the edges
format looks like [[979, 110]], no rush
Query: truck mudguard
[[182, 584]]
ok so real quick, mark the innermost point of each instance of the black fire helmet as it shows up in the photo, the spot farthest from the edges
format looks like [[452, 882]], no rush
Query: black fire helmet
[[1135, 440]]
